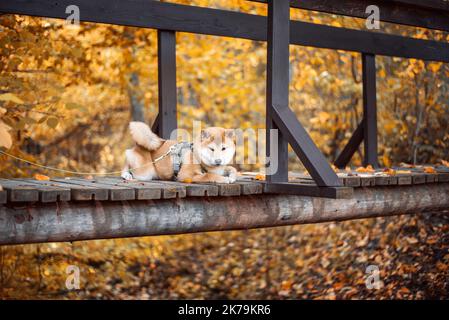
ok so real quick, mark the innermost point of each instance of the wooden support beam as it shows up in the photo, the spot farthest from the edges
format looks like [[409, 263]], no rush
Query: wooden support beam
[[369, 110], [166, 53], [432, 14], [351, 147], [183, 18], [308, 190], [278, 36], [278, 114], [73, 221], [303, 145]]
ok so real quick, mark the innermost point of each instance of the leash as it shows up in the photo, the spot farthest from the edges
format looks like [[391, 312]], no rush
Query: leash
[[170, 150]]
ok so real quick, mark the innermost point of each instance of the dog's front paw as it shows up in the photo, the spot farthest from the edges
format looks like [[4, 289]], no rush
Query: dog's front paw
[[230, 179], [221, 179], [231, 174], [127, 176]]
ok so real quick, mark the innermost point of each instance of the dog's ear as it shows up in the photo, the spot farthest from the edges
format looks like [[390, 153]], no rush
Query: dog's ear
[[230, 133], [205, 134]]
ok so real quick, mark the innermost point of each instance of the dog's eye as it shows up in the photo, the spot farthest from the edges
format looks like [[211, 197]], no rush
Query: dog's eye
[[223, 149], [212, 149]]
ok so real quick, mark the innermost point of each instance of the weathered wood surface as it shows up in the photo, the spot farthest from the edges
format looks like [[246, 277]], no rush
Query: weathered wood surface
[[116, 189], [83, 220]]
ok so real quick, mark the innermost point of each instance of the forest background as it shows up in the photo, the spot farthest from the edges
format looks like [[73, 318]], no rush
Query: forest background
[[67, 94]]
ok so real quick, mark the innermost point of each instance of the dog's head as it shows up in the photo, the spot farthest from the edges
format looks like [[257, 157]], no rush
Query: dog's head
[[215, 146]]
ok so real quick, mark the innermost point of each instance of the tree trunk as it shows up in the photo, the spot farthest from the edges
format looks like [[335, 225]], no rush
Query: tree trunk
[[135, 98]]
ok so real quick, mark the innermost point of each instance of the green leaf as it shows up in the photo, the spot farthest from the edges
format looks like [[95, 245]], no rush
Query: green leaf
[[52, 122], [10, 97]]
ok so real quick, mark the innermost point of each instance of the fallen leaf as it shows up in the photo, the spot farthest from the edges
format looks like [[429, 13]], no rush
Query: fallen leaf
[[41, 177], [10, 97], [442, 266], [411, 240], [404, 290], [187, 180], [52, 122], [5, 137], [286, 285], [338, 285], [368, 169], [429, 170], [389, 171], [260, 177]]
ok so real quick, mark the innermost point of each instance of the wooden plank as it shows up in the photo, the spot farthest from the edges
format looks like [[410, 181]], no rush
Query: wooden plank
[[250, 187], [443, 177], [386, 180], [433, 14], [195, 189], [442, 173], [404, 179], [77, 193], [17, 192], [367, 180], [351, 181], [189, 189], [116, 193], [308, 190], [3, 196], [228, 190], [169, 191], [413, 175], [345, 180], [418, 178], [183, 18], [429, 4], [47, 193], [431, 177], [143, 190]]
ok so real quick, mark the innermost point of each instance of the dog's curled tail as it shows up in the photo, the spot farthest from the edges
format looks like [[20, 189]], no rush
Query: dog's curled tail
[[143, 136]]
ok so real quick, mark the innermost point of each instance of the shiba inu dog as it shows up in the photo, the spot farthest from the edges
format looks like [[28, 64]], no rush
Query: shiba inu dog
[[205, 160]]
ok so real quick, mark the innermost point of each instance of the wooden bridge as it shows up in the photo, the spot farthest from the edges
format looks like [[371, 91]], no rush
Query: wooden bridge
[[77, 209], [80, 209]]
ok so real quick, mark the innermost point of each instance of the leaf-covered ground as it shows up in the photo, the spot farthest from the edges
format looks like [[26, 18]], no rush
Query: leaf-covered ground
[[326, 261]]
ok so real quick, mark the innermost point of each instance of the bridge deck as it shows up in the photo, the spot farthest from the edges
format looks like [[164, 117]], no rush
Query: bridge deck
[[116, 189], [80, 209]]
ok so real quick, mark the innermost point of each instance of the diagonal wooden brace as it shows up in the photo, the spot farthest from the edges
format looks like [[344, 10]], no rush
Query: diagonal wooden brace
[[351, 147], [309, 154]]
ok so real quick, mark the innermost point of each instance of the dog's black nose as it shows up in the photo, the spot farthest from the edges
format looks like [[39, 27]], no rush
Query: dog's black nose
[[217, 161]]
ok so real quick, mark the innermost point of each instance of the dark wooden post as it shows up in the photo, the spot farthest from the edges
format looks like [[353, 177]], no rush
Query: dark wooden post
[[166, 120], [369, 110], [278, 37]]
